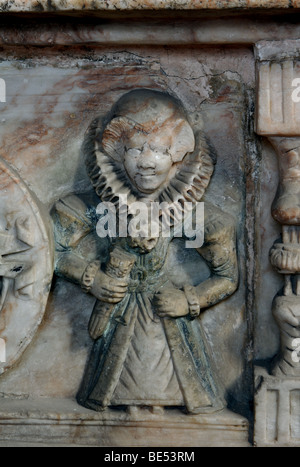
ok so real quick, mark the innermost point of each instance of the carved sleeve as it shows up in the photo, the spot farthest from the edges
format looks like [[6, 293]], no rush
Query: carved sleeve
[[219, 252], [76, 243]]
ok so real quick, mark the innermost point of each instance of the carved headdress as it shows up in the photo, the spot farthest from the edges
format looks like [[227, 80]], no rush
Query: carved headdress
[[149, 112]]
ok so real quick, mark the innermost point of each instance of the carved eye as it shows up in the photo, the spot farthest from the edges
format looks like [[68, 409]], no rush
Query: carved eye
[[161, 151], [133, 152]]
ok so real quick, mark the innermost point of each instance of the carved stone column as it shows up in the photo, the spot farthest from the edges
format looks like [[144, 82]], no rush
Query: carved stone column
[[278, 118]]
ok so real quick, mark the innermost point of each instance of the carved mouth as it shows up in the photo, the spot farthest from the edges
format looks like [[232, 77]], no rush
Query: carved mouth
[[146, 175]]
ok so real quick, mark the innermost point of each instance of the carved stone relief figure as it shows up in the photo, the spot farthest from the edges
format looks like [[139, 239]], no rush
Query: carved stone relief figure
[[26, 264], [150, 348]]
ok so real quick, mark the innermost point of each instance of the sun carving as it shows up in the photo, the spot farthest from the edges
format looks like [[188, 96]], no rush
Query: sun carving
[[16, 270]]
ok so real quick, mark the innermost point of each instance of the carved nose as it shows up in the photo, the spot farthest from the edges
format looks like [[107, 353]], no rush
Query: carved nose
[[146, 161]]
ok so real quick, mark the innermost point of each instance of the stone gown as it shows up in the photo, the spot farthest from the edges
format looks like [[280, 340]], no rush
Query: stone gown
[[142, 359]]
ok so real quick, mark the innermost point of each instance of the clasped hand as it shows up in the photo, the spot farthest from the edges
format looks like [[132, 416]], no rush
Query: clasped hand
[[108, 289], [169, 302]]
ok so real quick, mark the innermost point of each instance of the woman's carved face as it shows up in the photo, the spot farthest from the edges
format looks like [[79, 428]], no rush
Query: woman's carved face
[[148, 161]]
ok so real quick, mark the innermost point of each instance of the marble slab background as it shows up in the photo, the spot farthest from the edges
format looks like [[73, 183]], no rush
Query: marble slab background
[[52, 96]]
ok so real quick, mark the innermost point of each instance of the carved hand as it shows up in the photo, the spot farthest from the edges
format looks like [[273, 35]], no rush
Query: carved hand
[[109, 290], [171, 303]]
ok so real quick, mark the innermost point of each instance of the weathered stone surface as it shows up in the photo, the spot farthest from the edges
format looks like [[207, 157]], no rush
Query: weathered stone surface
[[277, 50], [61, 5], [277, 410], [148, 31], [53, 422], [53, 94]]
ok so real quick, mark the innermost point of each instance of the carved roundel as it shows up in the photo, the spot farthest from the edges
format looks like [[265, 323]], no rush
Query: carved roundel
[[26, 265]]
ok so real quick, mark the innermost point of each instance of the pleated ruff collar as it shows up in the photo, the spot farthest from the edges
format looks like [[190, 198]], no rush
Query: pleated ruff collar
[[111, 182]]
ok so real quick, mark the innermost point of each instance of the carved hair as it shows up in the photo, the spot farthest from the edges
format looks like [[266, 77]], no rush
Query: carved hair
[[147, 111], [116, 133]]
